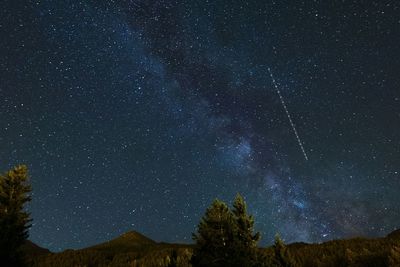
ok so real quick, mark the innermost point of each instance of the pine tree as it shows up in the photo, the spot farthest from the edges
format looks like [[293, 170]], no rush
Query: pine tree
[[214, 238], [246, 251], [282, 258], [14, 221], [225, 237]]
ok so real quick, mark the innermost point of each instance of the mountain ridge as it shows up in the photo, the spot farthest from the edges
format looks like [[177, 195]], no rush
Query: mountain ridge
[[134, 249]]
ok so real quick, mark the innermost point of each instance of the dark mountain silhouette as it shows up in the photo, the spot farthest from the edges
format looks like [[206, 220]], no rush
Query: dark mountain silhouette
[[130, 241], [34, 250], [135, 249], [395, 234]]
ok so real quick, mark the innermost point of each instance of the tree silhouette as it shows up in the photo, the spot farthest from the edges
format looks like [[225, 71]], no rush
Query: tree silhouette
[[246, 251], [225, 237], [214, 238], [282, 257], [14, 221]]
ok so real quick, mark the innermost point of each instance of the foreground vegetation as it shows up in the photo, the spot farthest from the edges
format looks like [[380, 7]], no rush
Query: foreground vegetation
[[358, 252], [14, 221], [225, 238]]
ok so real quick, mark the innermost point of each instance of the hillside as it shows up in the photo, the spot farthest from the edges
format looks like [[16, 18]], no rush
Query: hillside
[[135, 249], [125, 250], [128, 242], [34, 250]]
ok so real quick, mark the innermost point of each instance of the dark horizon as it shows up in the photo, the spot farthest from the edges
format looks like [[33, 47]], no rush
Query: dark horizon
[[193, 243]]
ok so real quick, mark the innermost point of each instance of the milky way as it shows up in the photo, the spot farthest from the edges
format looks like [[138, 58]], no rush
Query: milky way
[[137, 114]]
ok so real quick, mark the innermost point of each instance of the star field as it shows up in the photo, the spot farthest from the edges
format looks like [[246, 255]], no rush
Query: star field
[[137, 114]]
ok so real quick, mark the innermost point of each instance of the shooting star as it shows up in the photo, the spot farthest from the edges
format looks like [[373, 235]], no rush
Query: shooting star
[[288, 114]]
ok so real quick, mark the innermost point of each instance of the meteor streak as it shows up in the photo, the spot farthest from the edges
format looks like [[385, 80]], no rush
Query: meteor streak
[[288, 114]]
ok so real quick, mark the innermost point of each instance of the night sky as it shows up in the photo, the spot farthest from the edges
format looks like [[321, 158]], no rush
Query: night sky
[[135, 115]]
